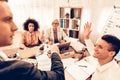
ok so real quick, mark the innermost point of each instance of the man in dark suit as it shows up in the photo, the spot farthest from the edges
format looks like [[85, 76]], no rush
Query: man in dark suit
[[19, 70]]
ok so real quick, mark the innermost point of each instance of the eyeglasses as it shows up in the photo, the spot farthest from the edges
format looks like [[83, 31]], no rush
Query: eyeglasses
[[55, 23]]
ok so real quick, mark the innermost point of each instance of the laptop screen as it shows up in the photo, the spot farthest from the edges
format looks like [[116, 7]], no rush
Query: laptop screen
[[64, 46]]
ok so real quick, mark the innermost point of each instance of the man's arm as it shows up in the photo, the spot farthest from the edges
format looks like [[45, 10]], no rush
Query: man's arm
[[20, 70], [86, 34], [56, 63], [57, 69]]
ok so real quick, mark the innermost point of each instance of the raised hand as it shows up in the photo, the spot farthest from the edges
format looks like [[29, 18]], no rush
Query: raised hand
[[87, 30]]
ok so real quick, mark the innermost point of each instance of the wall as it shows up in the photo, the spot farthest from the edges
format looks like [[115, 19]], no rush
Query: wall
[[100, 10], [85, 4], [37, 9], [95, 11]]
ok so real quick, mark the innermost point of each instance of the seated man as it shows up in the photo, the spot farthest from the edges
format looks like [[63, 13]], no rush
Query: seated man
[[105, 50], [19, 70], [55, 34]]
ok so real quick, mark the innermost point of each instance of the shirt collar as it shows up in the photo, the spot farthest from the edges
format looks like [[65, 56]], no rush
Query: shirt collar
[[105, 66]]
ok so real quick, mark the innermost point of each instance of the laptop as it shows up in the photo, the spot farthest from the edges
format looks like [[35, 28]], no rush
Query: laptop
[[64, 47]]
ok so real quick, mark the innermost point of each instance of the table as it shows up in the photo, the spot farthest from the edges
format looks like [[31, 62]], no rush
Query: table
[[30, 52], [68, 76], [25, 53]]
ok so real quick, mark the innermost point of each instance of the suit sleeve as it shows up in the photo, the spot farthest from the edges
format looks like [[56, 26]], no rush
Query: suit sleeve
[[57, 70], [20, 70]]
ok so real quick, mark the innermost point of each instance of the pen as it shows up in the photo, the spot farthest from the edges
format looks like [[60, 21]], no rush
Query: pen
[[82, 66], [65, 68]]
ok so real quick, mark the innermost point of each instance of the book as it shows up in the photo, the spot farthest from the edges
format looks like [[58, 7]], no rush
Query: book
[[62, 23], [73, 33], [66, 23]]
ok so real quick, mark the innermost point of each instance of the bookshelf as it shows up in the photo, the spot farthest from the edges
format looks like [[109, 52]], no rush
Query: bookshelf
[[70, 20]]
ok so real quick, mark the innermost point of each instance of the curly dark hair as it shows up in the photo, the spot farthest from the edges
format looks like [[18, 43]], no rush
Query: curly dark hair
[[36, 25]]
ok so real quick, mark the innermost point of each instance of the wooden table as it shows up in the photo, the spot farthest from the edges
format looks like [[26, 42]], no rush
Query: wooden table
[[29, 52], [25, 53]]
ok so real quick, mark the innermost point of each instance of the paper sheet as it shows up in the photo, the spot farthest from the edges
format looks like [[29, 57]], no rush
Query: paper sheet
[[82, 69]]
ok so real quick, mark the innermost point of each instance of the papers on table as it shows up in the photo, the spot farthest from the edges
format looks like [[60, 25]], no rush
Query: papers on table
[[82, 69], [68, 62], [79, 70], [76, 45], [44, 63]]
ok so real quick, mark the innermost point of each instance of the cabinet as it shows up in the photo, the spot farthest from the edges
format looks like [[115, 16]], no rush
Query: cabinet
[[70, 20]]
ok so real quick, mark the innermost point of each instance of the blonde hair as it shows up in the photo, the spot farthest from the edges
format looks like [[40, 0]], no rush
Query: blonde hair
[[55, 20]]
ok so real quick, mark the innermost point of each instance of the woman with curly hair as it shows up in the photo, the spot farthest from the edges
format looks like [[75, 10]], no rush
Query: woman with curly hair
[[32, 36]]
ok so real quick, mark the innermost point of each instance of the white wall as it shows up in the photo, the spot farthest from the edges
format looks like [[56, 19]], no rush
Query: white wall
[[41, 10], [100, 10], [95, 11]]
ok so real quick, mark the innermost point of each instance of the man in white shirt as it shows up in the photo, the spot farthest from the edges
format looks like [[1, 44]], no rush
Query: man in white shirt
[[105, 49]]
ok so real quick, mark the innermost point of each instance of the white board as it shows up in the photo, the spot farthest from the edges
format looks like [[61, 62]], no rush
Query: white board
[[112, 25]]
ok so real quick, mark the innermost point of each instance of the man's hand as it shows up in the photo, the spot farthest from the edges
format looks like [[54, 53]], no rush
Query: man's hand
[[62, 41], [87, 30], [50, 42], [54, 48]]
